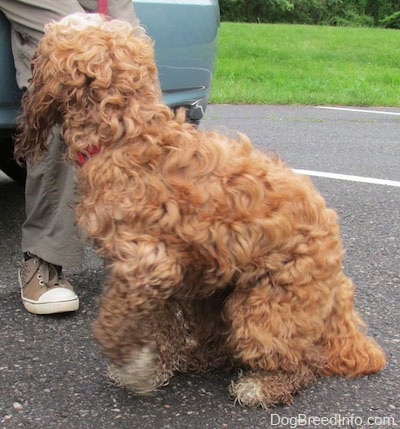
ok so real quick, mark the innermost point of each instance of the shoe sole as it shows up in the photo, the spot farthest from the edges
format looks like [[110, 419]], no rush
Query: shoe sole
[[51, 307]]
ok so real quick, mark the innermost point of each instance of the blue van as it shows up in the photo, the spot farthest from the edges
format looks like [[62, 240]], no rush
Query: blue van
[[185, 37]]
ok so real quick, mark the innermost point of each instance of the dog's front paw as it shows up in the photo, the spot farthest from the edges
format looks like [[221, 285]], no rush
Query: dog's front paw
[[142, 375]]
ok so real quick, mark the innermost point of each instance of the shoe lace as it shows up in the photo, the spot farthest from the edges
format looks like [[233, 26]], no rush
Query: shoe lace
[[49, 275]]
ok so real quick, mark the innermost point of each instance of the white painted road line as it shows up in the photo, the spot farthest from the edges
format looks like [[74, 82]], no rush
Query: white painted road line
[[349, 178], [351, 109]]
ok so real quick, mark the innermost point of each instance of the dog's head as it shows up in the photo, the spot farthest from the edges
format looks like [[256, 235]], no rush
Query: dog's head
[[87, 72]]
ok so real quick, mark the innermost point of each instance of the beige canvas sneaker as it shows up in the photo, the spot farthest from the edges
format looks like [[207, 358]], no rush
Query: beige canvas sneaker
[[44, 289]]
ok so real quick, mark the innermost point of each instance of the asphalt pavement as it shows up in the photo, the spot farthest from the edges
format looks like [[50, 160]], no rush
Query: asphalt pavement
[[52, 375]]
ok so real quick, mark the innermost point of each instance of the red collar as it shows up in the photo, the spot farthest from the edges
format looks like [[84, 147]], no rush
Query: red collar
[[85, 156]]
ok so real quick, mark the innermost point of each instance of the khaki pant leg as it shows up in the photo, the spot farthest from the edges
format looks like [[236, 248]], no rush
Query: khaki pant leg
[[49, 230]]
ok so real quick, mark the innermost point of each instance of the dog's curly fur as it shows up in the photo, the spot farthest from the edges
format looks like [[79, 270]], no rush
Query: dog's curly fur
[[218, 255]]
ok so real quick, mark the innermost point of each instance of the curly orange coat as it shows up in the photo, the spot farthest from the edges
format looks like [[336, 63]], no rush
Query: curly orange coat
[[217, 254]]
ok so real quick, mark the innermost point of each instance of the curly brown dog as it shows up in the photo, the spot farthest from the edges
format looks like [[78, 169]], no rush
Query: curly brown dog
[[218, 255]]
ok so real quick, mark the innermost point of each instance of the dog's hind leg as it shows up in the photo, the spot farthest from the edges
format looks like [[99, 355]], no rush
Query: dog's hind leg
[[347, 350], [264, 389], [285, 333], [272, 333]]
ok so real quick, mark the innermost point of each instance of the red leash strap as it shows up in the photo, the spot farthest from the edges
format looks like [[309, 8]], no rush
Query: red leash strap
[[102, 7]]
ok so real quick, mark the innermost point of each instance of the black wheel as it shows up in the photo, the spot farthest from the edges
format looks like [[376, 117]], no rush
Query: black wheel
[[7, 162]]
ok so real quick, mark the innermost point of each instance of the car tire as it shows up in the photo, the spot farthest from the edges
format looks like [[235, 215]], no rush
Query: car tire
[[7, 161]]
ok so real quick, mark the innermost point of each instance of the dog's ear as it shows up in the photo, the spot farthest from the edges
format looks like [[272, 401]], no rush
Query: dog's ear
[[40, 110], [85, 77], [60, 81]]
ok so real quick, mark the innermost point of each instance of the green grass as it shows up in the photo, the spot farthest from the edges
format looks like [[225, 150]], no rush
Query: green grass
[[311, 65]]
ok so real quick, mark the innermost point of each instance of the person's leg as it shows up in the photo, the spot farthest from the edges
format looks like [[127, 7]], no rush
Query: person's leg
[[49, 236], [49, 230]]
